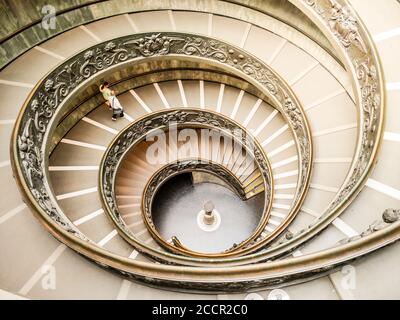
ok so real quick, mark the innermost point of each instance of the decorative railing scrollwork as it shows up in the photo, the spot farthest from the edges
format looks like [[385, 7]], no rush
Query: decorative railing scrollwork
[[339, 21], [136, 132], [182, 166]]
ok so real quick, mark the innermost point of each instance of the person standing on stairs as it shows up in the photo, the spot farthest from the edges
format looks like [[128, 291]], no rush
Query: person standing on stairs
[[112, 101]]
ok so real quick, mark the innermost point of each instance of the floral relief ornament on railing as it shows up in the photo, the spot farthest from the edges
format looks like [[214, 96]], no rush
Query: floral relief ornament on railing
[[155, 44], [345, 27], [341, 22]]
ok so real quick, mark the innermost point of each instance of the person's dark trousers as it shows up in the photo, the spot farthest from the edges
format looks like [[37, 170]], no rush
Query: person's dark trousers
[[116, 113]]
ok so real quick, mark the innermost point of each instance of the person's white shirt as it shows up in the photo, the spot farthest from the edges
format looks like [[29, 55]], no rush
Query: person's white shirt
[[115, 104]]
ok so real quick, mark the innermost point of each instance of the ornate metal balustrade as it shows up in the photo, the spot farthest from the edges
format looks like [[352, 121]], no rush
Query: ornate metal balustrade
[[42, 110], [133, 134], [182, 166], [341, 25]]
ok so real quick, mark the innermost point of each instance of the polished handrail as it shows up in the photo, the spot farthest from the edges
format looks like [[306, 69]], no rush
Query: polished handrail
[[133, 134], [170, 170]]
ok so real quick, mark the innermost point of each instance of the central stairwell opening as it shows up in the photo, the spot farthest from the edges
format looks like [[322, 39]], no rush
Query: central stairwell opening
[[178, 206]]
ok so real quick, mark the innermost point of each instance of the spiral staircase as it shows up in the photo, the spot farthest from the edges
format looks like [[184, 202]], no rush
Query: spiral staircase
[[306, 91]]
